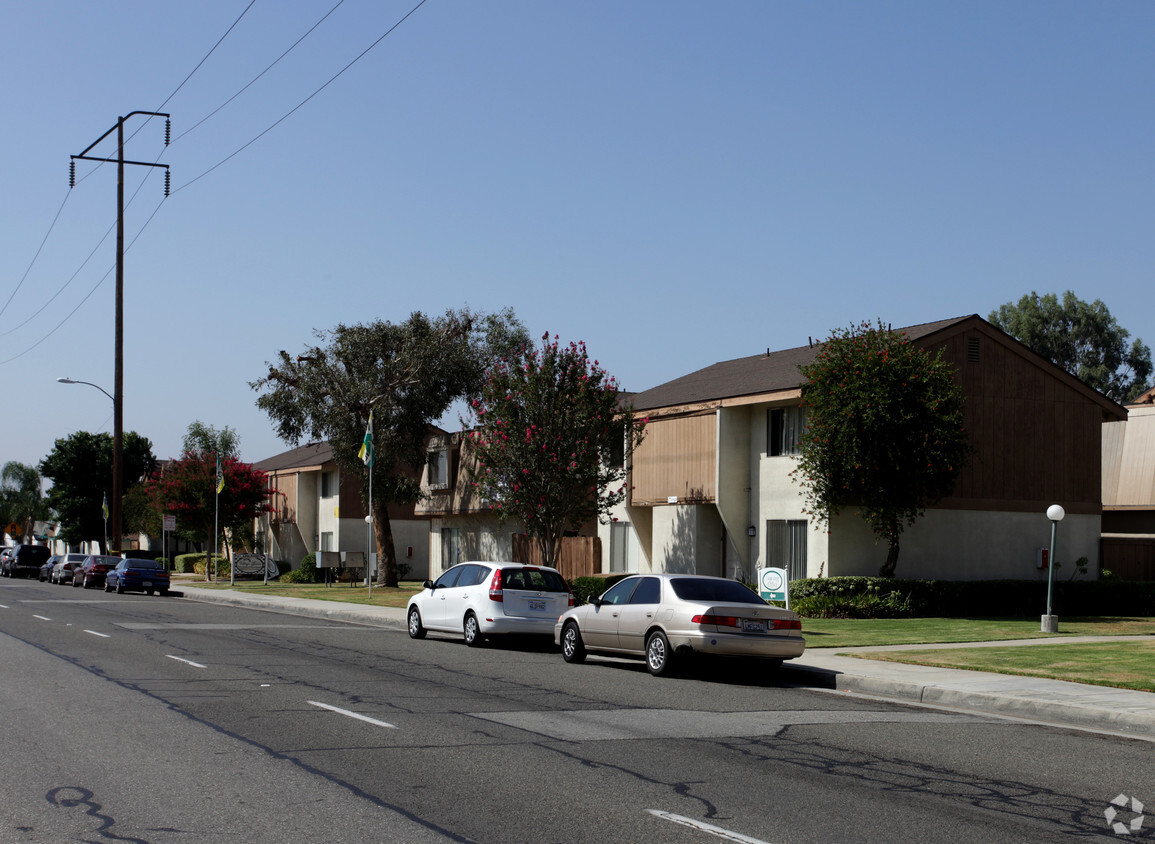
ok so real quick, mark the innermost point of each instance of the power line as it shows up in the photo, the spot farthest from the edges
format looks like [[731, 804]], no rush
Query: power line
[[32, 263], [289, 113]]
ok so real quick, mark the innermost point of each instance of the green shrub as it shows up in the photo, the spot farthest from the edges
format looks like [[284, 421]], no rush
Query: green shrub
[[307, 572], [584, 588]]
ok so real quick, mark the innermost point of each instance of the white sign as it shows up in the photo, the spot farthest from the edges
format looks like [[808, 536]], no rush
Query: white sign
[[773, 585], [169, 522]]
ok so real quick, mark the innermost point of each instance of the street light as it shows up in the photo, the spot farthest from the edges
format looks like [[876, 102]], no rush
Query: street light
[[89, 383], [1051, 622], [117, 456]]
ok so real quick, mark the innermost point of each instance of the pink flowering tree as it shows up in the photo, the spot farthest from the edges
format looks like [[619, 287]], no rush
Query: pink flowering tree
[[552, 441], [884, 431]]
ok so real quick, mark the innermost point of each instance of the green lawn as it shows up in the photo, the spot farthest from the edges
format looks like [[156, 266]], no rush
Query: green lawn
[[1127, 665], [358, 594], [853, 633]]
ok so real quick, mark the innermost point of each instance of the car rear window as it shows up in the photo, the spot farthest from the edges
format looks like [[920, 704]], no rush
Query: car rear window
[[720, 591], [144, 564], [537, 580]]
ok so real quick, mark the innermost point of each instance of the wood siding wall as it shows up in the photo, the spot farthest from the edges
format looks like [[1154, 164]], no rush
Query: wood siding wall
[[1036, 438], [1130, 559], [580, 556], [677, 458], [284, 499]]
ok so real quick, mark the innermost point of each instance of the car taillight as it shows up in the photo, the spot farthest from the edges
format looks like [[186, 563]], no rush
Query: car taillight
[[495, 593], [719, 620]]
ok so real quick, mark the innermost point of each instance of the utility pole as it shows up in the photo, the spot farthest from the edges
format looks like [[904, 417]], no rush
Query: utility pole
[[118, 388]]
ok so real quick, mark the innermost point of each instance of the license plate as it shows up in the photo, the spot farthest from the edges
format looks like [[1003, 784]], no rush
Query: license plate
[[537, 605], [147, 584], [749, 626]]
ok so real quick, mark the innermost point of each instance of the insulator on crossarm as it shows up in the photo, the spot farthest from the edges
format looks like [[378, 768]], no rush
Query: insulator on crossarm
[[72, 173], [167, 180], [167, 131]]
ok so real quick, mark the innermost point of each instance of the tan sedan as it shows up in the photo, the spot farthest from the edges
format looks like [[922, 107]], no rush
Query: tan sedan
[[662, 617]]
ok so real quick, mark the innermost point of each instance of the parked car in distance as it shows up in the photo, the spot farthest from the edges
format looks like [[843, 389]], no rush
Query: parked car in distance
[[480, 599], [24, 560], [46, 568], [137, 575], [5, 553], [65, 565], [664, 617], [92, 571]]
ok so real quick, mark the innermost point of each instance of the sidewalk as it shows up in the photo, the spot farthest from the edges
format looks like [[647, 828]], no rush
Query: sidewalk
[[1055, 702]]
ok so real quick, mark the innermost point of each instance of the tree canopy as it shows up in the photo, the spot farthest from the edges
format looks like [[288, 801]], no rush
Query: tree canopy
[[551, 441], [188, 489], [884, 431], [80, 468], [22, 497], [1082, 338], [408, 374]]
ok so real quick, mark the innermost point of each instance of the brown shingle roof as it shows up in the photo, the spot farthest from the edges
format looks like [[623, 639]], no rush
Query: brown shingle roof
[[310, 455], [755, 375]]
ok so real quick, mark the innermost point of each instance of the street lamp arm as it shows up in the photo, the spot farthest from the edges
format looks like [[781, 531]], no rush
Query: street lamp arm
[[90, 384]]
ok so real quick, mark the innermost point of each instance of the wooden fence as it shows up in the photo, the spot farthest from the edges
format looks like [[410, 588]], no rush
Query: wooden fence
[[580, 556]]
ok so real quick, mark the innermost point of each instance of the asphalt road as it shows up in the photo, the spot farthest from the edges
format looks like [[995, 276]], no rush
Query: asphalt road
[[135, 718]]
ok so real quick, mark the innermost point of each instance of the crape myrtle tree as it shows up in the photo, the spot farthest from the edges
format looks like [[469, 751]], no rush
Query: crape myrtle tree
[[80, 468], [551, 441], [188, 488], [407, 374], [22, 498], [884, 431], [1082, 338]]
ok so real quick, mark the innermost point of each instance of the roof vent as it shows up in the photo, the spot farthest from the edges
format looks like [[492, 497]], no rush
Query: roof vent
[[973, 350]]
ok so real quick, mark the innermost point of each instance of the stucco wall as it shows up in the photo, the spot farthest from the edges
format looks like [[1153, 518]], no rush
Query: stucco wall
[[967, 545]]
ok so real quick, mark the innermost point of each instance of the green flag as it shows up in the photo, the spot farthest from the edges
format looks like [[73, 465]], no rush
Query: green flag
[[366, 452]]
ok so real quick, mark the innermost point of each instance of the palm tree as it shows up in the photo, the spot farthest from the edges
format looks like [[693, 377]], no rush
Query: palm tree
[[21, 496]]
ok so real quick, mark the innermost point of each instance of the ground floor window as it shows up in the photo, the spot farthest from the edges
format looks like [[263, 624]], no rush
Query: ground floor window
[[786, 546], [450, 548], [620, 548], [327, 541]]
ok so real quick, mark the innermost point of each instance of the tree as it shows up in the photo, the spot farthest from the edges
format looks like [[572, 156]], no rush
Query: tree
[[205, 439], [884, 431], [80, 468], [188, 489], [408, 374], [552, 441], [22, 497], [1083, 339]]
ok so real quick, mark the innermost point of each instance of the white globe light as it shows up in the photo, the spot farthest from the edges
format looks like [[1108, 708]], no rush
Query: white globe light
[[1055, 513]]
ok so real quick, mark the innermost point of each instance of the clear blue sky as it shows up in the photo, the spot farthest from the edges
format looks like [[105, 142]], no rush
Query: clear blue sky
[[675, 183]]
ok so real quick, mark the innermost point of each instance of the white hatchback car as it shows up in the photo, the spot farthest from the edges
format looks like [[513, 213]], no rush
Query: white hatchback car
[[661, 617], [479, 599]]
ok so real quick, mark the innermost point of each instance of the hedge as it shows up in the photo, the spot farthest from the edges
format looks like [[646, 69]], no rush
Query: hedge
[[876, 597]]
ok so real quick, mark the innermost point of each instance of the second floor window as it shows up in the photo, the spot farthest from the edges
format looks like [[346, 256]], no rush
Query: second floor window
[[784, 428], [328, 485], [438, 468]]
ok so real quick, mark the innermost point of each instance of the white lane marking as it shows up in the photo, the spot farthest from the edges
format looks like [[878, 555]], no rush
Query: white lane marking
[[101, 635], [352, 714], [5, 607], [42, 617], [187, 661], [705, 827]]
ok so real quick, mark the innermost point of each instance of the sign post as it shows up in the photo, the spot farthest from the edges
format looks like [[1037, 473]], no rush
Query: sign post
[[773, 585]]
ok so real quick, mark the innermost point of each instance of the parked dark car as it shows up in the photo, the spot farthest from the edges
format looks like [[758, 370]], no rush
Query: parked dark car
[[46, 569], [65, 564], [25, 560], [93, 570], [137, 575]]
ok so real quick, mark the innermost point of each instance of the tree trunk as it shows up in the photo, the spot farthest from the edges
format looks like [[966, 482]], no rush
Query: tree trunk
[[888, 567], [386, 553]]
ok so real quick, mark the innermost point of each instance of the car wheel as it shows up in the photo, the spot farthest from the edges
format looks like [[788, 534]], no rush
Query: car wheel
[[659, 659], [472, 631], [416, 628], [120, 586], [573, 649], [107, 585], [148, 592], [87, 583], [75, 583]]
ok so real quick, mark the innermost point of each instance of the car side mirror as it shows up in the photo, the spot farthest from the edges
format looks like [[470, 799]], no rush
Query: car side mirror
[[596, 601], [427, 584]]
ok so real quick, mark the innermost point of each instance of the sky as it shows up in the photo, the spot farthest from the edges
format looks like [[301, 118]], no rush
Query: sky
[[674, 183]]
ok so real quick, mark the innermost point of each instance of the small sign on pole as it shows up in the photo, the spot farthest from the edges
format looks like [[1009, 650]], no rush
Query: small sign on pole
[[773, 585]]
